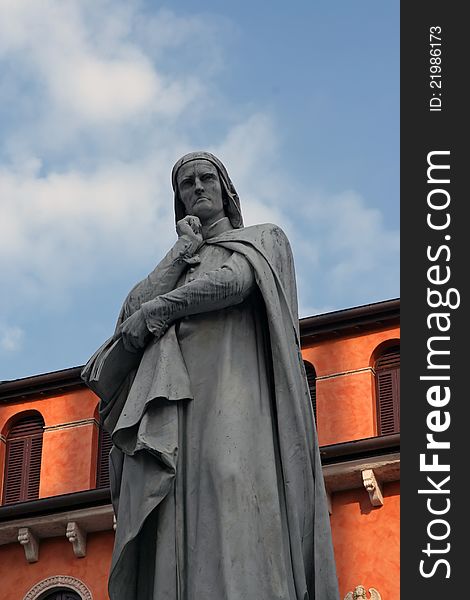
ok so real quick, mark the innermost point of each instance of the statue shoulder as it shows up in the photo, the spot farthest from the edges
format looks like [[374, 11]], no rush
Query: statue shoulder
[[267, 238], [270, 239], [264, 227], [276, 236], [264, 231]]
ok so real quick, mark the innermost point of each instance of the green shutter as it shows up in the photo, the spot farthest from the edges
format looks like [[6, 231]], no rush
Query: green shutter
[[104, 448], [23, 460], [388, 391]]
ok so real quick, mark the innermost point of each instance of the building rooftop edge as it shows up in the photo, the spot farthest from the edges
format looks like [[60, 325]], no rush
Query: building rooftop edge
[[43, 384], [347, 320]]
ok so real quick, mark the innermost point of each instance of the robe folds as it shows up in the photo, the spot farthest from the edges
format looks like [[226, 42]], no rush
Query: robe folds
[[215, 471]]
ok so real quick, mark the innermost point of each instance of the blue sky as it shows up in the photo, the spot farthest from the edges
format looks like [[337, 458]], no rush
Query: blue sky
[[99, 98]]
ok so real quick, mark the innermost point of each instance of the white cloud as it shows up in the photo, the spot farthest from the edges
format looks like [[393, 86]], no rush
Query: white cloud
[[65, 228], [357, 242], [342, 246], [102, 115], [86, 178], [345, 249], [94, 81], [98, 89], [251, 150], [11, 339]]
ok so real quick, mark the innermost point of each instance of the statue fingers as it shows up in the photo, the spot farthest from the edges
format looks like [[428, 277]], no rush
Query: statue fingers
[[183, 226], [195, 224]]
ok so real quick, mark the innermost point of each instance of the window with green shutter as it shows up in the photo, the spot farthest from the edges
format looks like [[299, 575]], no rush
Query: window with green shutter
[[23, 459], [387, 369], [104, 448]]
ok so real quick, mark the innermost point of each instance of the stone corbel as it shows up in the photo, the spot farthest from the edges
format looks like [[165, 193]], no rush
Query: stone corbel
[[30, 544], [373, 487], [77, 537]]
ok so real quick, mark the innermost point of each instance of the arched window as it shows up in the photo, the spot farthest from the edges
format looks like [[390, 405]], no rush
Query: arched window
[[104, 448], [23, 459], [59, 587], [387, 368], [312, 386]]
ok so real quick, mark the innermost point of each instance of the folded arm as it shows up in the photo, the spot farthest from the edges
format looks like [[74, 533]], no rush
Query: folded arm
[[227, 286], [166, 274], [223, 287]]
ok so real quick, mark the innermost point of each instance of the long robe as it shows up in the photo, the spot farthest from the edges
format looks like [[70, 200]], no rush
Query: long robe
[[216, 478]]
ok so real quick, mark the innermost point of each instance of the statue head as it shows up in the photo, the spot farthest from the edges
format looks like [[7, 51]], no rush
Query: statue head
[[200, 174]]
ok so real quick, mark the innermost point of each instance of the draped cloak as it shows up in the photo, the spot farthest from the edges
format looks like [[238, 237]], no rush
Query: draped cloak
[[145, 413]]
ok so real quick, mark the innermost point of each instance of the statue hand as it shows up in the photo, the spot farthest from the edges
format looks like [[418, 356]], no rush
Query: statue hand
[[190, 228], [134, 332]]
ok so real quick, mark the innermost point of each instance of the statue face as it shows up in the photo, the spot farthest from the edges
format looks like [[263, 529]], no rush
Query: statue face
[[200, 191]]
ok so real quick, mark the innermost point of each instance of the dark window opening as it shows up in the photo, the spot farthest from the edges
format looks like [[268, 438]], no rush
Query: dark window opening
[[312, 386], [62, 595]]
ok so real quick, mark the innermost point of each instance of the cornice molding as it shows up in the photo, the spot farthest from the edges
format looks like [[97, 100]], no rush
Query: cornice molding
[[55, 504], [66, 525], [348, 475], [343, 373], [69, 424]]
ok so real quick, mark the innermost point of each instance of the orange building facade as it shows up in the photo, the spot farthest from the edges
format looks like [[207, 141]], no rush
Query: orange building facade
[[56, 519]]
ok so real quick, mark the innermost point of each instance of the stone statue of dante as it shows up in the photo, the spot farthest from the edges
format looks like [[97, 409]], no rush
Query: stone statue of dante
[[216, 479]]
